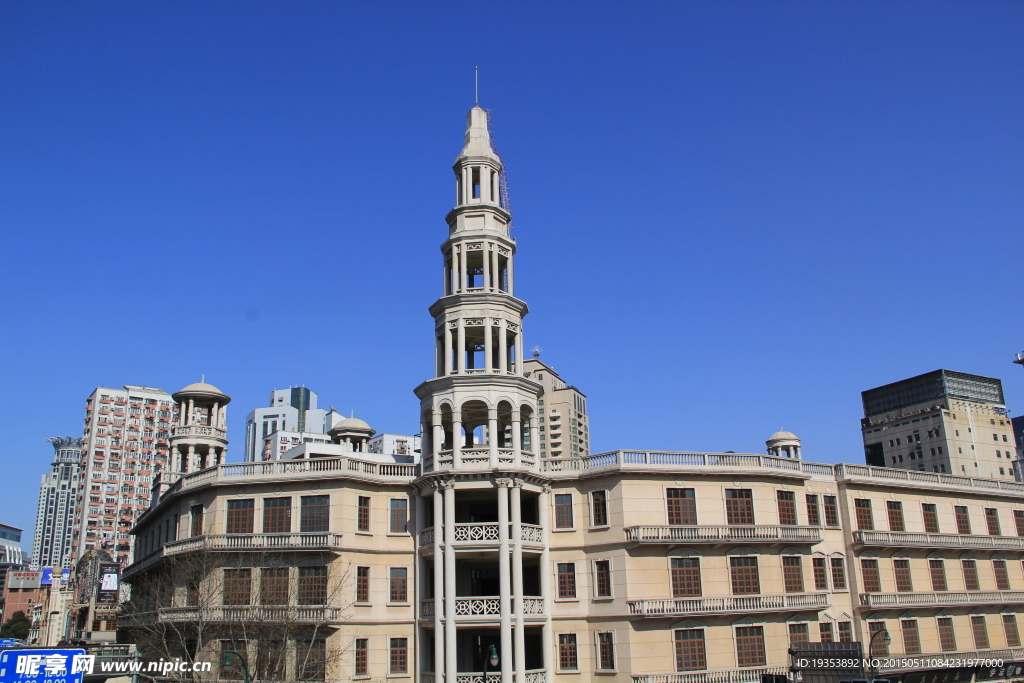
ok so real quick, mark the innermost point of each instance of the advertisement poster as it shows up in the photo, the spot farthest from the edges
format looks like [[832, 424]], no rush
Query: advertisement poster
[[109, 578]]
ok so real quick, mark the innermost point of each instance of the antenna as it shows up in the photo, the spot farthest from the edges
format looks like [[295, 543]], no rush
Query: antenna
[[536, 351], [476, 86]]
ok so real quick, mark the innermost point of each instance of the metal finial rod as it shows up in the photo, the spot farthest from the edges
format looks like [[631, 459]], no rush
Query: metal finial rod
[[476, 86]]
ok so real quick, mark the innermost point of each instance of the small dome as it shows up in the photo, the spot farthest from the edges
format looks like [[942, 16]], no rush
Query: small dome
[[783, 436], [203, 390], [350, 423]]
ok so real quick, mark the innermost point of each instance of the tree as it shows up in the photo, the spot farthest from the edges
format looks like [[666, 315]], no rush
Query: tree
[[16, 627]]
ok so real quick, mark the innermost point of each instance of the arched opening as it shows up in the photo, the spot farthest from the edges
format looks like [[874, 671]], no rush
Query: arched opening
[[504, 425], [526, 419], [474, 424], [446, 429]]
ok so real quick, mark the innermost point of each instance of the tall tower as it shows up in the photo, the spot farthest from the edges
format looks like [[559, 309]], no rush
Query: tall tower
[[200, 437], [55, 515]]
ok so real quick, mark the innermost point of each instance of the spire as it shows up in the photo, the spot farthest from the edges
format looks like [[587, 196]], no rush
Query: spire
[[478, 136]]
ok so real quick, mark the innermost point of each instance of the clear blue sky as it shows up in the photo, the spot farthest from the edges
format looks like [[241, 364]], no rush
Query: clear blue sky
[[731, 216]]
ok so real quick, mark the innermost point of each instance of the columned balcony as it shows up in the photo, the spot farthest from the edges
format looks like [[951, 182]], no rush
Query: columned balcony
[[714, 676], [532, 676], [907, 539], [724, 534], [899, 600], [251, 542], [477, 534], [738, 604], [485, 608], [237, 615]]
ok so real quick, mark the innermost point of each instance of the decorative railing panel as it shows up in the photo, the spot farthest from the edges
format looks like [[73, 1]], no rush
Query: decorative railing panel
[[715, 676], [476, 532], [941, 599], [925, 540], [723, 534], [729, 605], [319, 541], [478, 606]]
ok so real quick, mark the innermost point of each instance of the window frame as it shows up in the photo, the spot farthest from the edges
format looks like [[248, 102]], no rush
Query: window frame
[[678, 577], [240, 516], [830, 508], [270, 514], [599, 517], [992, 522], [402, 528], [403, 650], [680, 654], [361, 669], [606, 579], [793, 573], [570, 649], [785, 505], [314, 516], [863, 514], [930, 517], [569, 583], [910, 648], [739, 581], [364, 515], [604, 643], [682, 511], [740, 510], [755, 639], [363, 583], [404, 583], [561, 510]]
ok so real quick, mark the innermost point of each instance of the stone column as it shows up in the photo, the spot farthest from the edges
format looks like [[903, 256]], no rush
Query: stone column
[[503, 581], [439, 529], [457, 439], [447, 365], [190, 417], [519, 351], [462, 267], [547, 636], [492, 437], [487, 266], [496, 270], [503, 348], [436, 440], [214, 414], [451, 666], [189, 459], [517, 578], [460, 352], [534, 437], [517, 440], [487, 346], [511, 287]]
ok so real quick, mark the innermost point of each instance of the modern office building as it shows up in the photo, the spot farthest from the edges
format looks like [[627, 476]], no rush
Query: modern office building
[[12, 557], [58, 496], [562, 423], [292, 414], [941, 421]]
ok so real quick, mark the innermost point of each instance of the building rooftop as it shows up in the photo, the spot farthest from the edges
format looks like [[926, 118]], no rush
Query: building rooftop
[[932, 386]]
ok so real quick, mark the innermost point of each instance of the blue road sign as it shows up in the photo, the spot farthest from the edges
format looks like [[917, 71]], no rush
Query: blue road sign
[[9, 642], [44, 666]]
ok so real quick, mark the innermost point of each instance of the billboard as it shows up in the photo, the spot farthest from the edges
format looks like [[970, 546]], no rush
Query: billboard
[[23, 579], [108, 586]]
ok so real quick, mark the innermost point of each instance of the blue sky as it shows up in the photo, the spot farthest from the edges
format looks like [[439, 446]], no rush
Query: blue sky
[[731, 216]]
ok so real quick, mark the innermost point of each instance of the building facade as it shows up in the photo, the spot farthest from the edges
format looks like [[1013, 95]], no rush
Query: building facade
[[292, 414], [12, 557], [562, 423], [55, 513]]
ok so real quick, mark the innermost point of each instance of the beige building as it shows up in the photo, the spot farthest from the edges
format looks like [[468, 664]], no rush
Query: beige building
[[487, 561]]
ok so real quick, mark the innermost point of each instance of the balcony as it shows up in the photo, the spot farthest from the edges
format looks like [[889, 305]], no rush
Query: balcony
[[715, 676], [532, 676], [238, 615], [906, 539], [199, 430], [684, 607], [485, 608], [249, 542], [898, 600], [486, 534], [665, 461], [724, 534]]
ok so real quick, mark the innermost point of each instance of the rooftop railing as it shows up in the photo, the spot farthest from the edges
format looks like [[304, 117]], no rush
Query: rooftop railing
[[242, 542], [668, 460], [925, 479], [909, 539], [723, 534], [941, 599]]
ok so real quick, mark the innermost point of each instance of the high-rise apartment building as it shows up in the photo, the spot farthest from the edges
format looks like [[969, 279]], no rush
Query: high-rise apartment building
[[55, 513], [562, 423], [941, 421], [126, 438], [294, 414]]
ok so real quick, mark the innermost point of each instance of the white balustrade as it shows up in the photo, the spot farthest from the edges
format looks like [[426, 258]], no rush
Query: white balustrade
[[723, 534], [715, 676], [729, 605], [926, 540], [941, 599]]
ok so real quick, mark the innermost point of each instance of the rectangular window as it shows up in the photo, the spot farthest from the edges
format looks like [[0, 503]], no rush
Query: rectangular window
[[750, 646], [793, 574], [872, 581], [831, 511], [971, 582], [563, 512], [1018, 520], [567, 580], [363, 514], [786, 501], [603, 579], [992, 519], [240, 516], [798, 634], [567, 659], [277, 515], [399, 656], [398, 585], [399, 520], [980, 630], [820, 573], [274, 586], [605, 651], [312, 585], [931, 518], [271, 660], [599, 501], [685, 577], [963, 521], [864, 518], [938, 572], [911, 637], [362, 584], [362, 657], [903, 581], [1010, 630], [1002, 576], [895, 510], [230, 668], [813, 512], [845, 631], [879, 648], [743, 571], [237, 586], [739, 506], [197, 520], [682, 507], [838, 574], [690, 652], [314, 515], [825, 632]]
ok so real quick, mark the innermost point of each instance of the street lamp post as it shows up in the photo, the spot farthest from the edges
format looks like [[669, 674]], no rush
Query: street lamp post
[[245, 665], [871, 650]]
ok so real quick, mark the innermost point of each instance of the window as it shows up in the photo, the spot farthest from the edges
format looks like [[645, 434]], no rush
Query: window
[[911, 637], [992, 519], [399, 517], [931, 518], [237, 586], [903, 581], [793, 574], [879, 648], [563, 511], [1018, 519], [1002, 577], [362, 584], [872, 581], [602, 579], [895, 510], [845, 631], [277, 515], [798, 633], [230, 668], [274, 586], [1010, 630], [599, 501], [838, 574], [362, 657], [813, 512], [240, 516], [980, 631], [750, 646], [820, 573], [825, 632], [831, 511], [938, 572], [743, 571], [567, 659], [271, 660], [197, 520], [690, 652], [685, 577], [963, 522], [314, 515], [682, 507], [605, 651], [739, 506], [399, 656], [399, 584], [971, 582], [787, 508], [312, 585], [864, 518], [566, 580], [363, 514]]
